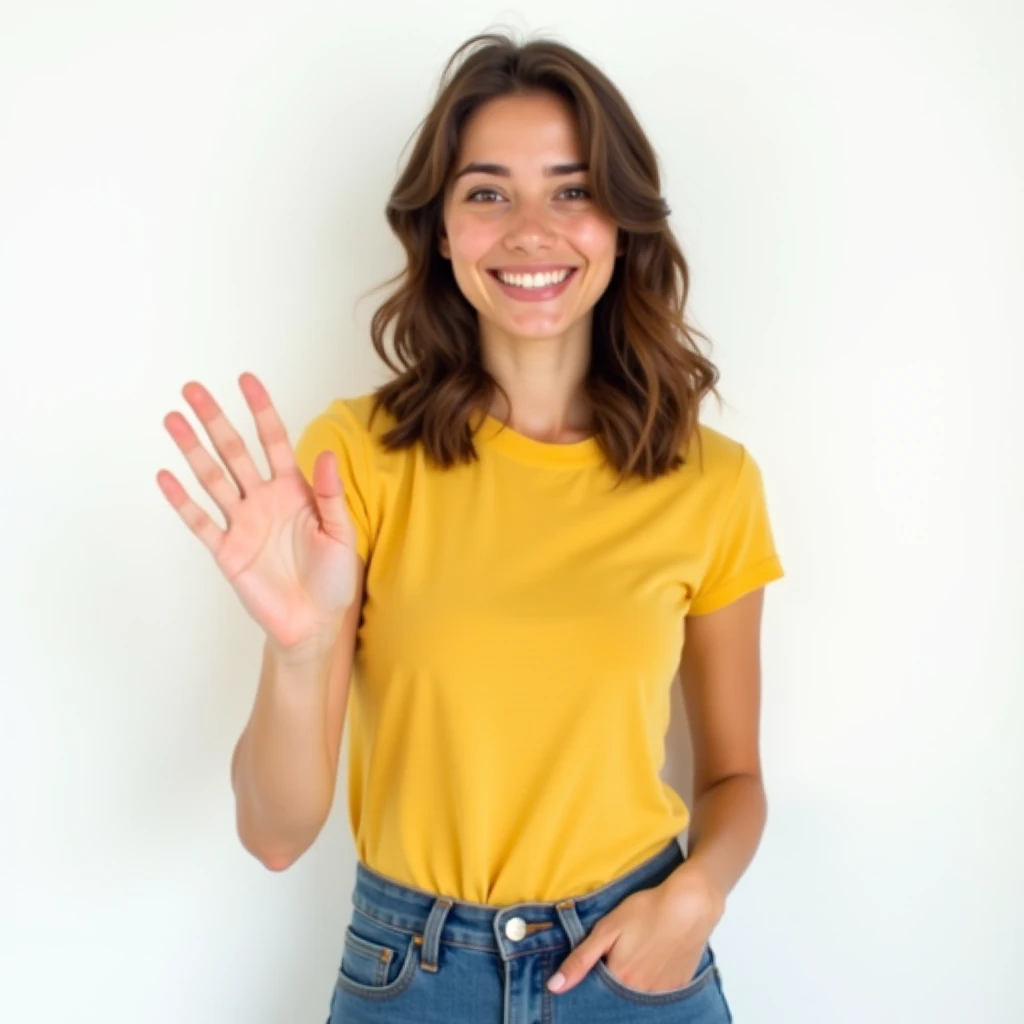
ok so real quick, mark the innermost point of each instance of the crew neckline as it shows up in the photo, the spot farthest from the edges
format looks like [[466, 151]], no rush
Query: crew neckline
[[495, 434]]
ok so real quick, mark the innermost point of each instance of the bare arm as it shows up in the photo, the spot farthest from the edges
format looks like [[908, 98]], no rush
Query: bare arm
[[285, 763], [721, 679], [654, 940], [290, 550]]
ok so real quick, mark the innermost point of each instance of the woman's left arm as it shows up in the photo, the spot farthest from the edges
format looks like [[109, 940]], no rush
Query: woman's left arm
[[653, 940], [720, 672]]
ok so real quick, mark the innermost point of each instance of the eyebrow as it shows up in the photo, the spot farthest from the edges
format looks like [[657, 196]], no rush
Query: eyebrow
[[501, 171]]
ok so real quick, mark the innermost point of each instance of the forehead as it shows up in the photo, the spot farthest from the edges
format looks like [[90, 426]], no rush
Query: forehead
[[521, 130]]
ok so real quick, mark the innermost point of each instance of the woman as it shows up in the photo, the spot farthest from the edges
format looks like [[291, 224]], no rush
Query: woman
[[507, 542]]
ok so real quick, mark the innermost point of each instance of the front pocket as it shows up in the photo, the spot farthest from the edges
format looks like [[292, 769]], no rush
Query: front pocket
[[379, 963], [703, 977]]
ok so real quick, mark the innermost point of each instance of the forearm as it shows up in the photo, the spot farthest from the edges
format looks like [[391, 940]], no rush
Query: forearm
[[726, 826], [282, 771]]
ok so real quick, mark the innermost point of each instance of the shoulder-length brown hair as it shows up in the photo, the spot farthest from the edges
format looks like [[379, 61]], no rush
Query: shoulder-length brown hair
[[646, 377]]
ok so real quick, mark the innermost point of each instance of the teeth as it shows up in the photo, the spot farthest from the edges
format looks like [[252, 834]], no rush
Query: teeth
[[534, 280]]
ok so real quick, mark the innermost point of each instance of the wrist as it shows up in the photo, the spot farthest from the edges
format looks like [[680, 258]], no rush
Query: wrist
[[304, 653], [699, 889]]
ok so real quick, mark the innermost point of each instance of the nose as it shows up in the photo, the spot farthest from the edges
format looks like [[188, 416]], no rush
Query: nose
[[529, 229]]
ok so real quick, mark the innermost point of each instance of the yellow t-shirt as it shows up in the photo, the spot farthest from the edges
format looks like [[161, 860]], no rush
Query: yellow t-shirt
[[522, 625]]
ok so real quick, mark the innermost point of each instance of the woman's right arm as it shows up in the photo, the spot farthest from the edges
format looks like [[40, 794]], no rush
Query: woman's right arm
[[286, 761], [290, 550]]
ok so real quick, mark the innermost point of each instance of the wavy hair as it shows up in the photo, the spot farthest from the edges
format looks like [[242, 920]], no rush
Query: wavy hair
[[646, 378]]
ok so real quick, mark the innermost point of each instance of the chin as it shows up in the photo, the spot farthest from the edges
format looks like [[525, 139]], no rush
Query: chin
[[536, 333]]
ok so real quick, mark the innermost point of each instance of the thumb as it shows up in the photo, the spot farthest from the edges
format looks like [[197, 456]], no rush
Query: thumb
[[577, 964], [329, 495]]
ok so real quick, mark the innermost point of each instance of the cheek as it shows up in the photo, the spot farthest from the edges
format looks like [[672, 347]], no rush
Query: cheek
[[596, 239], [470, 239]]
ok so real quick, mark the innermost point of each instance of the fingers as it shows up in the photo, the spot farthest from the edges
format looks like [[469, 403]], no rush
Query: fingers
[[226, 440], [208, 471], [194, 517], [330, 499], [575, 967], [269, 427]]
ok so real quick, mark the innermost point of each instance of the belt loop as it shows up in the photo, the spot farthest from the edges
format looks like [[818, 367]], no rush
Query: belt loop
[[432, 934], [571, 922]]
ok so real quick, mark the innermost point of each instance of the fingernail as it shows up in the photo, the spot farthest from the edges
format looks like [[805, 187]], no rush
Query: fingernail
[[556, 982]]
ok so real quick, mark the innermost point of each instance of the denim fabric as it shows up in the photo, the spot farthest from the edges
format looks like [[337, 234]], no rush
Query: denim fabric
[[411, 957]]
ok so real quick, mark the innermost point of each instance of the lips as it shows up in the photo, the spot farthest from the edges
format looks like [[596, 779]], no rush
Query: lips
[[535, 294]]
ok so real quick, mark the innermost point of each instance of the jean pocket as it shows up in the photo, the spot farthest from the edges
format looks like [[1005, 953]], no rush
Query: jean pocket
[[702, 978], [378, 962]]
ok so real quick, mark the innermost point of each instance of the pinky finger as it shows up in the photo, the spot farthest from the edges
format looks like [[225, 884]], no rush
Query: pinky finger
[[192, 515]]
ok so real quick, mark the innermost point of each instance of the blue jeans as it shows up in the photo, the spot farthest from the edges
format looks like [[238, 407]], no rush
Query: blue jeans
[[411, 957]]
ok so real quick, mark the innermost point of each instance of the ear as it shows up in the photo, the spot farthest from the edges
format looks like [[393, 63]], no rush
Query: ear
[[443, 246], [620, 249]]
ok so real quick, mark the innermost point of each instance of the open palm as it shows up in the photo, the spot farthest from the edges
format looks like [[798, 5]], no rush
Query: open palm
[[289, 548]]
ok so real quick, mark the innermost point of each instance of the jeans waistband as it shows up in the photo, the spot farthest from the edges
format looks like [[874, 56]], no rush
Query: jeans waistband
[[512, 930]]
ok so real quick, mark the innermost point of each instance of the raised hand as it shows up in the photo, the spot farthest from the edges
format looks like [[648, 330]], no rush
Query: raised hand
[[289, 549]]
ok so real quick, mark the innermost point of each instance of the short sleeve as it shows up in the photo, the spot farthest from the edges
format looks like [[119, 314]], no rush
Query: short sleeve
[[744, 556], [337, 430]]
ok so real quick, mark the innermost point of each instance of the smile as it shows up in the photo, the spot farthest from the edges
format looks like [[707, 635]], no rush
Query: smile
[[534, 287]]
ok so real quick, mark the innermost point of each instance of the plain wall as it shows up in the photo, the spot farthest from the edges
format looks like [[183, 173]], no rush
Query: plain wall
[[190, 190]]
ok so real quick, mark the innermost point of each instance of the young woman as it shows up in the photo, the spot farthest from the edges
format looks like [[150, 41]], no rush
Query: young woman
[[507, 543]]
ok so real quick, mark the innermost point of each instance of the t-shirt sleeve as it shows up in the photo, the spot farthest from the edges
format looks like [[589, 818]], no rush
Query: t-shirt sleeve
[[337, 430], [744, 556]]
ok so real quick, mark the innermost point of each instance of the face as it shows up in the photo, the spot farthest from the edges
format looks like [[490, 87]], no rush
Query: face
[[520, 203]]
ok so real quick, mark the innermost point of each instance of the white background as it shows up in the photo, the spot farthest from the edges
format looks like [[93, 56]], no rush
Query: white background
[[193, 189]]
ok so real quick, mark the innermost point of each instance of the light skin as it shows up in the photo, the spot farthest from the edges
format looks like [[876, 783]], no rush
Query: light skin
[[514, 203], [526, 201]]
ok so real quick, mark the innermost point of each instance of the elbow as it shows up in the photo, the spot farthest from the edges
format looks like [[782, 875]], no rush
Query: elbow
[[278, 862], [276, 841], [276, 852], [273, 858]]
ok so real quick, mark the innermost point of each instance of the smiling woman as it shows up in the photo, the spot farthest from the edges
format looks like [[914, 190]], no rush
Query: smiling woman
[[535, 256], [529, 162], [489, 567]]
